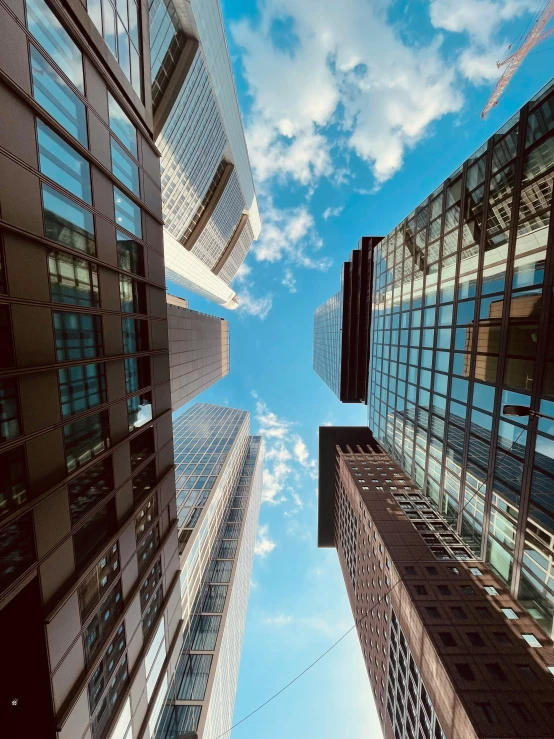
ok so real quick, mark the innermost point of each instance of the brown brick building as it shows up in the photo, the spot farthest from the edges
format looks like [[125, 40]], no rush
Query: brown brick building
[[448, 651]]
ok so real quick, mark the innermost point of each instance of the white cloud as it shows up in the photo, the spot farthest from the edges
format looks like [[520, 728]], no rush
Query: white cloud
[[480, 66], [290, 234], [264, 544], [242, 273], [254, 306], [332, 212], [380, 95], [286, 456], [280, 620], [289, 281]]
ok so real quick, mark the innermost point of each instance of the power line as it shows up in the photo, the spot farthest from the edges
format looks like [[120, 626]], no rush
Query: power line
[[367, 613]]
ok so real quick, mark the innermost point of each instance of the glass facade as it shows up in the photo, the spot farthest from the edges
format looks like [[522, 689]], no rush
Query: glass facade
[[218, 476], [461, 320], [327, 341]]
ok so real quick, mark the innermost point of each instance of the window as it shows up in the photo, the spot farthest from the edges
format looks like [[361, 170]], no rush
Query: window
[[73, 281], [432, 611], [94, 533], [432, 570], [475, 638], [495, 671], [61, 163], [151, 597], [129, 255], [56, 97], [13, 480], [220, 570], [141, 447], [502, 638], [85, 438], [120, 29], [87, 489], [144, 518], [17, 549], [139, 410], [107, 682], [77, 336], [67, 223], [420, 589], [409, 570], [55, 40], [137, 373], [121, 126], [453, 570], [132, 295], [10, 424], [476, 571], [526, 671], [465, 671], [521, 710], [135, 335], [486, 711], [7, 357], [144, 481], [102, 622], [447, 639], [81, 387], [490, 590], [214, 599], [147, 549], [532, 640], [466, 589], [509, 613], [124, 168], [127, 214], [204, 632], [444, 589], [195, 676]]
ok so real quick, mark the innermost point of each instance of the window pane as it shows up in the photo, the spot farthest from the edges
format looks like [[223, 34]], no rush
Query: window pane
[[17, 549], [13, 480], [124, 168], [67, 223], [94, 534], [98, 581], [56, 97], [72, 280], [10, 426], [87, 489], [127, 214], [85, 438], [77, 336], [137, 373], [135, 335], [102, 623], [60, 162], [81, 388], [123, 49], [122, 126], [108, 14], [204, 632], [129, 255], [50, 34], [132, 295], [139, 409], [194, 676]]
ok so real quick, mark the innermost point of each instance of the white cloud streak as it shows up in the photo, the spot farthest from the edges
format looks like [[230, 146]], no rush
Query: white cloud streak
[[264, 544]]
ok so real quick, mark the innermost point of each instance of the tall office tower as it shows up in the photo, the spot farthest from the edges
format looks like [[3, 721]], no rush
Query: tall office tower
[[462, 325], [341, 328], [198, 351], [88, 536], [209, 203], [219, 484], [449, 652]]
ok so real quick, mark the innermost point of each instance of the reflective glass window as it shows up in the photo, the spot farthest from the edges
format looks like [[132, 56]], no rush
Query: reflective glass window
[[129, 254], [10, 423], [13, 480], [55, 40], [77, 335], [67, 223], [62, 163], [122, 126], [85, 438], [56, 97], [72, 280], [81, 387], [124, 168], [127, 214]]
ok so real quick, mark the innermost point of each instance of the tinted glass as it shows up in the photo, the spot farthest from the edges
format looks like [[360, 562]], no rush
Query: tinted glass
[[62, 163]]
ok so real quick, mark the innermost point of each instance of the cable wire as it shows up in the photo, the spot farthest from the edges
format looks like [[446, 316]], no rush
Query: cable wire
[[367, 613]]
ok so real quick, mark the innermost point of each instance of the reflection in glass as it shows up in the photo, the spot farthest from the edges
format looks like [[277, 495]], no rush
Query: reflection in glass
[[139, 409], [72, 280], [127, 214], [67, 223], [62, 163]]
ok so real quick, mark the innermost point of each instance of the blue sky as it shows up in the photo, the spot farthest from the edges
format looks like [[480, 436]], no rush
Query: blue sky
[[354, 112]]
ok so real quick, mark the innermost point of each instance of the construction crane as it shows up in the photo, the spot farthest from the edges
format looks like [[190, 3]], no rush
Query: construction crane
[[536, 35]]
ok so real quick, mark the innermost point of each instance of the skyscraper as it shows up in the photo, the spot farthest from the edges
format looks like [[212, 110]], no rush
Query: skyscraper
[[341, 329], [88, 532], [209, 203], [198, 351], [462, 319], [448, 650], [219, 485]]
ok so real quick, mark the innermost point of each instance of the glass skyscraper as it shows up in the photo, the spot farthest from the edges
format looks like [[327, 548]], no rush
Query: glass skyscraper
[[327, 341], [463, 324], [219, 483]]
